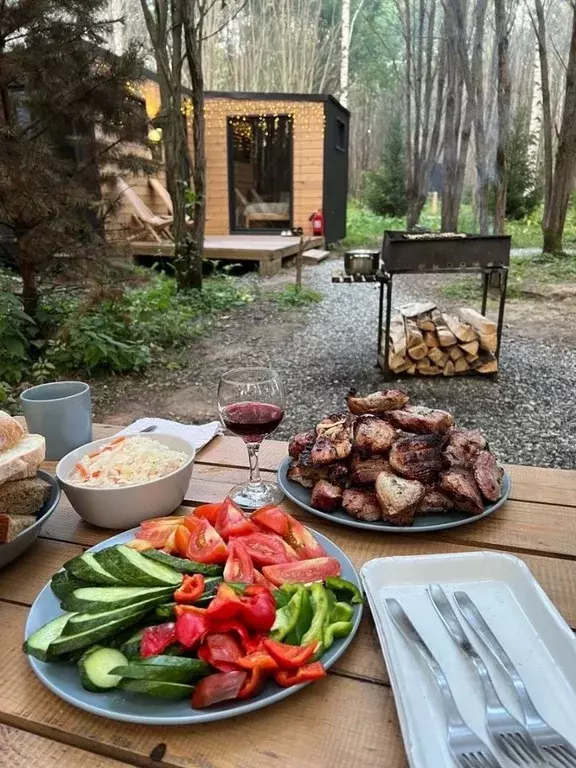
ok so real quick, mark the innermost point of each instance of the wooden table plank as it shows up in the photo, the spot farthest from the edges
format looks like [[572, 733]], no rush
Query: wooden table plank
[[21, 749], [297, 733]]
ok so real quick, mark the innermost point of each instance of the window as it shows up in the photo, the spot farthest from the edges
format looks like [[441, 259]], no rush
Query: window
[[340, 143]]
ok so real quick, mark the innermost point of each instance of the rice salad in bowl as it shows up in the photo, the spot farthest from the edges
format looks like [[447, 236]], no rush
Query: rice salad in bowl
[[126, 461]]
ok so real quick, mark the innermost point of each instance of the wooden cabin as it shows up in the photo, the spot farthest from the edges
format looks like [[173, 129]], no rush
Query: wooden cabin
[[272, 161]]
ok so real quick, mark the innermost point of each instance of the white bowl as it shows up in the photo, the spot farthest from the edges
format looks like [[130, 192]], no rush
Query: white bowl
[[126, 506]]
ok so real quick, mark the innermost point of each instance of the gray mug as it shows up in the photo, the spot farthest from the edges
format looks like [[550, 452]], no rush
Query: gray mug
[[60, 411]]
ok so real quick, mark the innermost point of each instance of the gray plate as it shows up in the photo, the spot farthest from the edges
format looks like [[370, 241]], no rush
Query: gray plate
[[63, 679], [13, 549], [301, 497]]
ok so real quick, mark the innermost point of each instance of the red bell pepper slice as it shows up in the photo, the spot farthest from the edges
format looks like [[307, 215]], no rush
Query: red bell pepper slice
[[180, 610], [221, 650], [157, 639], [254, 643], [226, 604], [208, 511], [191, 589], [260, 659], [231, 521], [258, 608], [238, 566], [305, 674], [218, 687], [205, 544], [289, 656], [233, 626], [191, 628], [253, 683]]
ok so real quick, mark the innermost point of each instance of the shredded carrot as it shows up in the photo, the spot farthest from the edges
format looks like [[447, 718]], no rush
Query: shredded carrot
[[117, 440], [97, 473], [82, 471], [95, 453]]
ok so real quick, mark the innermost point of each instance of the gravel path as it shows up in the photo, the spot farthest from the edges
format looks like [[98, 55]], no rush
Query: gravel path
[[528, 413]]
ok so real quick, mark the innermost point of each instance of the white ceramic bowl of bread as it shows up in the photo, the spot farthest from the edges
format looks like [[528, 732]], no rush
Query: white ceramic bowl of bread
[[126, 506]]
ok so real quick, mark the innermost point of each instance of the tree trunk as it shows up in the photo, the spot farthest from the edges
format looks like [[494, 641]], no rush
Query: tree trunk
[[27, 270], [540, 29], [344, 52], [477, 88], [565, 165], [504, 96], [449, 215]]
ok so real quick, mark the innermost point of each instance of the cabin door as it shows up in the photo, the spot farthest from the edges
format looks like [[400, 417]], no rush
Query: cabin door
[[260, 173]]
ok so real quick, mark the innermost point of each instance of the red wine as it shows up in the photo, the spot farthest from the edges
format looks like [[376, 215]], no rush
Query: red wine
[[252, 421]]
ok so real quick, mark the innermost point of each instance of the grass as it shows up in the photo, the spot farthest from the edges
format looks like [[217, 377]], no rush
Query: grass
[[292, 296]]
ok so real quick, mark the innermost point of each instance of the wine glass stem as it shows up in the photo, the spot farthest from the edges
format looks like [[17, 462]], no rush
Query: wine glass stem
[[253, 451]]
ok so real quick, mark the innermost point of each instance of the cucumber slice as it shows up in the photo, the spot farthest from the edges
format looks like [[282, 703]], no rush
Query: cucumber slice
[[39, 642], [182, 565], [95, 668], [67, 643], [131, 647], [83, 621], [63, 583], [168, 669], [98, 599], [164, 611], [157, 688], [87, 568], [131, 567]]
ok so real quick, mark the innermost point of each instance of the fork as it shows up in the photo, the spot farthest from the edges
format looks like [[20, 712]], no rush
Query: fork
[[467, 749], [544, 736], [503, 728]]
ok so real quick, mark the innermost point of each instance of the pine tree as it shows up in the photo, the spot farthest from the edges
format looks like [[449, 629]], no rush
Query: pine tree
[[69, 122], [524, 194], [386, 188]]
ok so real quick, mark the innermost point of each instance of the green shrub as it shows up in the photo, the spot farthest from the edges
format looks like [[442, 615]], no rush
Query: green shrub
[[17, 331], [385, 192], [292, 296], [524, 194]]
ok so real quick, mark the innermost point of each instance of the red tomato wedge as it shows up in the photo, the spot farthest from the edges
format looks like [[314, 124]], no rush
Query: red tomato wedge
[[273, 518], [238, 566], [268, 549], [181, 539], [158, 530], [219, 687], [208, 511], [231, 521], [261, 581], [302, 572], [205, 544]]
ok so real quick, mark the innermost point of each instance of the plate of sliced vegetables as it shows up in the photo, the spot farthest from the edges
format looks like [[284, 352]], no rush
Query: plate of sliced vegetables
[[196, 618]]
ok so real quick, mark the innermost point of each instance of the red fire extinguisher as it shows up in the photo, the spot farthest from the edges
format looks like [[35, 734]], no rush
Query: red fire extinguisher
[[317, 220]]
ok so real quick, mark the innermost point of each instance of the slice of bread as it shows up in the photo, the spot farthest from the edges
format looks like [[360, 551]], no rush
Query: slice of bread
[[10, 431], [398, 497], [23, 497], [23, 459], [11, 526]]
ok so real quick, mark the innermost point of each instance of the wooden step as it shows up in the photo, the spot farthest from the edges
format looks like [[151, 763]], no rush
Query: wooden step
[[315, 256]]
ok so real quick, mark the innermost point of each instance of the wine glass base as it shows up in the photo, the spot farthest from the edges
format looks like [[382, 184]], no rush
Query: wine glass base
[[255, 496]]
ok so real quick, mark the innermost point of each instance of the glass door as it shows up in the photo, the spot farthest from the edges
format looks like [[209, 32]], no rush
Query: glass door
[[260, 173]]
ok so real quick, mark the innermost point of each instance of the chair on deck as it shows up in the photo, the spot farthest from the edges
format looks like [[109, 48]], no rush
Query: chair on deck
[[142, 218], [163, 194]]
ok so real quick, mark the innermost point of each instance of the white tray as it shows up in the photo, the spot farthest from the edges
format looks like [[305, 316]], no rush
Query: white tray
[[519, 612]]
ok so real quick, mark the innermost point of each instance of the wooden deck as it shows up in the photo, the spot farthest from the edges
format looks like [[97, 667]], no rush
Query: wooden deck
[[268, 250]]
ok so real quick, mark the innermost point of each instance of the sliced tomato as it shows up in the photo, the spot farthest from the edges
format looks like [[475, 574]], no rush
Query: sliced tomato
[[253, 684], [261, 581], [208, 511], [305, 674], [238, 566], [268, 549], [291, 530], [181, 539], [170, 546], [231, 521], [205, 544], [303, 571], [191, 588], [158, 530], [219, 687], [139, 545], [289, 656]]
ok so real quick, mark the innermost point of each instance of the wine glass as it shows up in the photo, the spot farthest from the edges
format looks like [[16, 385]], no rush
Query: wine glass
[[251, 404]]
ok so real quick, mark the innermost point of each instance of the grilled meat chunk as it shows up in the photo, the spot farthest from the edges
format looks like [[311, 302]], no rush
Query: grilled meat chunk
[[422, 420], [434, 501], [365, 471], [372, 435], [398, 497], [307, 475], [417, 457], [459, 485], [326, 496], [361, 504], [301, 442], [463, 447], [333, 441], [488, 476], [377, 402]]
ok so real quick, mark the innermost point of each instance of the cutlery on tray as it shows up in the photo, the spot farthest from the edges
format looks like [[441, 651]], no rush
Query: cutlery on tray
[[504, 729], [543, 735], [466, 747], [151, 428]]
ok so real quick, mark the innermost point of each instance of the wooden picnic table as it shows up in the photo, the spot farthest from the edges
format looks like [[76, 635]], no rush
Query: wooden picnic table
[[347, 720]]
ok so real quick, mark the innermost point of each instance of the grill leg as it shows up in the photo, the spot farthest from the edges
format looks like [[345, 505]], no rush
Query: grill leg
[[386, 367], [485, 281], [380, 318], [503, 285]]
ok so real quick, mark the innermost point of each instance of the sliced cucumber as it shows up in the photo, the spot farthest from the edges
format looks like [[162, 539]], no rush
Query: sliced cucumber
[[67, 643], [157, 688], [131, 567], [164, 611], [87, 568], [131, 647], [63, 583], [98, 599], [182, 565], [83, 621], [96, 667], [39, 642], [168, 669]]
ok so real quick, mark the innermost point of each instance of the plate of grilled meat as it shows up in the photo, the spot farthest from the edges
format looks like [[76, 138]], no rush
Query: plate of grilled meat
[[387, 465]]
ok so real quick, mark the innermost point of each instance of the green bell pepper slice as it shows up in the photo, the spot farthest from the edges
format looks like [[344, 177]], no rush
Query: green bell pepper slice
[[320, 615], [281, 598], [342, 585], [304, 619], [338, 629], [286, 618], [341, 612]]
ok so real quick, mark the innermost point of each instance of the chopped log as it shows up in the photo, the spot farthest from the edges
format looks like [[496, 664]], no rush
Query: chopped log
[[462, 331], [398, 335], [416, 308], [477, 321], [419, 352], [489, 341], [491, 366], [470, 358], [412, 370], [448, 369], [455, 353], [461, 365], [429, 370], [397, 363], [430, 339], [414, 337], [424, 363], [445, 336], [425, 323], [471, 348], [438, 356]]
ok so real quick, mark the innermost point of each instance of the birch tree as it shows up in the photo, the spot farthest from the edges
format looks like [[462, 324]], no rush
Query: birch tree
[[504, 99]]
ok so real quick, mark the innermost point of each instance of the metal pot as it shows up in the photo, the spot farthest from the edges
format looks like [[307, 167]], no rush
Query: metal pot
[[361, 262]]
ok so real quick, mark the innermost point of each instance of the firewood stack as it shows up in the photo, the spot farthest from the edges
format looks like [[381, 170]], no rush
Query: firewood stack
[[430, 343]]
